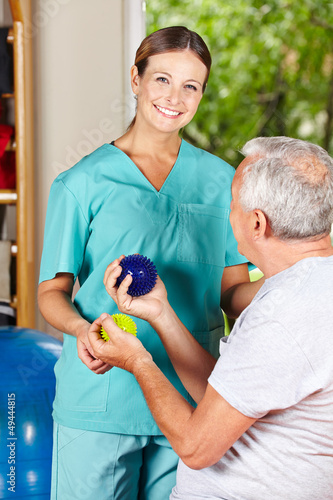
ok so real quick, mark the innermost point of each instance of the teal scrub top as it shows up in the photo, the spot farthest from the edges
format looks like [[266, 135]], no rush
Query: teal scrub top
[[104, 207]]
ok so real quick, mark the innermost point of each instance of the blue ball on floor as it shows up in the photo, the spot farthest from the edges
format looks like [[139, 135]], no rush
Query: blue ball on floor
[[143, 272], [27, 388]]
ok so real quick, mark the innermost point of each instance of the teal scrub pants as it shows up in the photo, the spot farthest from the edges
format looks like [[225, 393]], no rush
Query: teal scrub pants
[[97, 465]]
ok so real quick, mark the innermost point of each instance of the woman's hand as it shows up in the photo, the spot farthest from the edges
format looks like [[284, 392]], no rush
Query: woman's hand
[[86, 354], [55, 303], [149, 307], [123, 350]]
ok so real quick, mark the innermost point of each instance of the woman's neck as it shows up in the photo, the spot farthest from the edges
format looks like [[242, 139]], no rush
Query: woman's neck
[[157, 144], [153, 156]]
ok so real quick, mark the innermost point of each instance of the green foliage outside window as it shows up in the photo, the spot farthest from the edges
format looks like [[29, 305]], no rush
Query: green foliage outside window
[[272, 71]]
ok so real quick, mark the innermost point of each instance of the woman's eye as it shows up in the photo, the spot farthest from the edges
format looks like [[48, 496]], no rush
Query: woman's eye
[[162, 79], [191, 87]]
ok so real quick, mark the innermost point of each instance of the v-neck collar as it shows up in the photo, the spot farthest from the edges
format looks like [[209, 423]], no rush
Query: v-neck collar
[[144, 178]]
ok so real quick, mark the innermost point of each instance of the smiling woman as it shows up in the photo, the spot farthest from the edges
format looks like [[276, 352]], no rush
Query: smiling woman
[[147, 192], [169, 91]]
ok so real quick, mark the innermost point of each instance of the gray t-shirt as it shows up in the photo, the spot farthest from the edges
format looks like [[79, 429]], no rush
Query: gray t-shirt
[[277, 366]]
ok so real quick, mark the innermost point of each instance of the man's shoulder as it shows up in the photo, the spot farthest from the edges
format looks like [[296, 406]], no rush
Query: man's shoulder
[[304, 289]]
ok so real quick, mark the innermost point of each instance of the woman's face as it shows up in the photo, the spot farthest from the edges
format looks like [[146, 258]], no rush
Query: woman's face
[[170, 90]]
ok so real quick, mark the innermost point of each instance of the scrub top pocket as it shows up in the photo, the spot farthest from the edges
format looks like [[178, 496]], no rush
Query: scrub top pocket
[[202, 234], [92, 397]]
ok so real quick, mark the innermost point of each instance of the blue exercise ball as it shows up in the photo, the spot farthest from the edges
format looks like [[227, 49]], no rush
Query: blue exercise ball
[[27, 388]]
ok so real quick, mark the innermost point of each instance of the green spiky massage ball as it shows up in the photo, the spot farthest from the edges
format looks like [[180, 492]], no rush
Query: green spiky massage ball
[[124, 322]]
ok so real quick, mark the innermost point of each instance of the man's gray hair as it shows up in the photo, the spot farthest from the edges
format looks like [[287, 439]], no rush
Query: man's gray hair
[[291, 182]]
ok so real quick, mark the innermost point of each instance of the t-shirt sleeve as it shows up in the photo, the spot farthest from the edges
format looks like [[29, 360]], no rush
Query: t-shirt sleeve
[[262, 369], [66, 233]]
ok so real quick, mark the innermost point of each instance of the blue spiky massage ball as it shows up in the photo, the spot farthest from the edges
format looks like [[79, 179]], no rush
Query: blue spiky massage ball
[[143, 271]]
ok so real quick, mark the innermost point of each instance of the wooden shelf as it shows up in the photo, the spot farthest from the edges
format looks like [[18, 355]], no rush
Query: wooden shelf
[[10, 36], [23, 251], [11, 146], [13, 302], [8, 196]]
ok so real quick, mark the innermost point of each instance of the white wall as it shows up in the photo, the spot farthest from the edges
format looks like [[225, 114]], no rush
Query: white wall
[[81, 94], [5, 14]]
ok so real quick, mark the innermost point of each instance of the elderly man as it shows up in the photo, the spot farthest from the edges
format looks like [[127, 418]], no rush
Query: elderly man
[[263, 426]]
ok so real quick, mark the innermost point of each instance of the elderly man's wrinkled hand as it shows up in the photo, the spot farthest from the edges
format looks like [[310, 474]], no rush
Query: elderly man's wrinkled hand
[[122, 350], [148, 307]]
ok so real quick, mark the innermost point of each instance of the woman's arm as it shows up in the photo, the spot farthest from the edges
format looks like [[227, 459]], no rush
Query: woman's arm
[[55, 304], [236, 289]]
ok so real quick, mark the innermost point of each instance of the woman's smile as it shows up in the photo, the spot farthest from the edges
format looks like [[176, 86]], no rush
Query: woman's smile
[[169, 112]]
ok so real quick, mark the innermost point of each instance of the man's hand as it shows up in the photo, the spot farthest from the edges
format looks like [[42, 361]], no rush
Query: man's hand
[[149, 307], [123, 350], [86, 354]]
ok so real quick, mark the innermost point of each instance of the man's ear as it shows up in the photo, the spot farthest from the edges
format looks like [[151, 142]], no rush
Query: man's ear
[[259, 224], [135, 79]]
